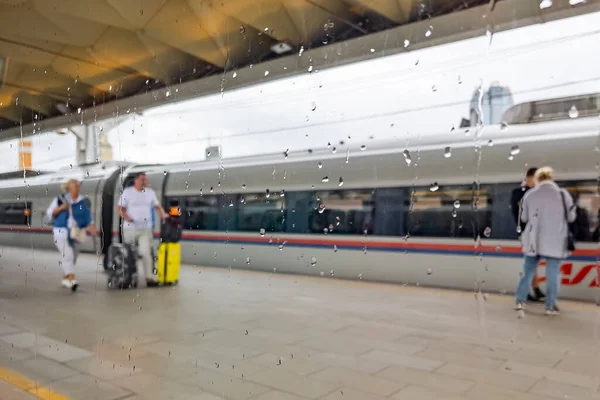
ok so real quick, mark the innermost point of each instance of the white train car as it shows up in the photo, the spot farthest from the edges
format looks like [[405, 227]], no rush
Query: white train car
[[432, 210]]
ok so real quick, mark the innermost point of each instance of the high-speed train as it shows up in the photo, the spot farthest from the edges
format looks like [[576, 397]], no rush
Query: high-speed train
[[432, 210]]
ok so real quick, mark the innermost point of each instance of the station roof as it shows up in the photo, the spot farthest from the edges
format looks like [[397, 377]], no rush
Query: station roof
[[59, 59]]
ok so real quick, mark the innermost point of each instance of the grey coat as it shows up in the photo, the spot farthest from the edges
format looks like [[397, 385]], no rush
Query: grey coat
[[546, 231]]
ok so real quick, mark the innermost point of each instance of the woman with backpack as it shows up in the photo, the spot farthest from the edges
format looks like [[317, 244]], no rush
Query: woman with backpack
[[72, 222]]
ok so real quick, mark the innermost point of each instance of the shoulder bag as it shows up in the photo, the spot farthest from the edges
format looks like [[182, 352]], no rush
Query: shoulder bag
[[570, 236]]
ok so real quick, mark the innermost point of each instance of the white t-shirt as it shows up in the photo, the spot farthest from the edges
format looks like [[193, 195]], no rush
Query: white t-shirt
[[139, 205]]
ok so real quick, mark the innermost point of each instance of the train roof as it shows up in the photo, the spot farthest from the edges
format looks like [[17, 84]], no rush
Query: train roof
[[457, 138], [86, 171]]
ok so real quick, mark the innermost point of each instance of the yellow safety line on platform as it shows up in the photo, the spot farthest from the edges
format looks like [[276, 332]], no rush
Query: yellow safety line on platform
[[29, 385]]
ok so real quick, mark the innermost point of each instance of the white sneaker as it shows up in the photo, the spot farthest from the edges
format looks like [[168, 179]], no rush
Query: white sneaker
[[519, 307]]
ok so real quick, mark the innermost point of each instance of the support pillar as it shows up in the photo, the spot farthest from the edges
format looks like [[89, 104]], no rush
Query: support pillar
[[81, 135]]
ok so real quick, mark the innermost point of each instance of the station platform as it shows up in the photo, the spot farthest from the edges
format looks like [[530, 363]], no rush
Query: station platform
[[233, 334]]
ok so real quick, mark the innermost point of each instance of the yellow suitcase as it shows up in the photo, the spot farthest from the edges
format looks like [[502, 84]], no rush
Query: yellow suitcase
[[168, 263]]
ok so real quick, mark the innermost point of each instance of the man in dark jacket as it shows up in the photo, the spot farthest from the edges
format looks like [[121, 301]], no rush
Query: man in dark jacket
[[515, 205]]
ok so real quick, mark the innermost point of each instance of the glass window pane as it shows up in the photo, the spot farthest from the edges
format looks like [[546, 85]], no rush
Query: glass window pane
[[261, 211], [451, 211], [200, 212], [343, 212]]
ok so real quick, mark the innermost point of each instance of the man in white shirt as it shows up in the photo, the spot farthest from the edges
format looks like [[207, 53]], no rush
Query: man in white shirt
[[135, 207]]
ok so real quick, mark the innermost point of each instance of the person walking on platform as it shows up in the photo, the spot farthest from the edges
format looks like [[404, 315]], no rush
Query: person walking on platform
[[136, 206], [515, 205], [72, 220], [547, 211]]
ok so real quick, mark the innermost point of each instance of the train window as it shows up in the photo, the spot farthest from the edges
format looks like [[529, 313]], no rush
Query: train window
[[261, 211], [15, 213], [586, 198], [343, 212], [448, 212], [553, 109], [200, 212]]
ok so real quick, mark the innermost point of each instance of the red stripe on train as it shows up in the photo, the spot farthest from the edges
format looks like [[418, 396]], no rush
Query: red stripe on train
[[338, 242]]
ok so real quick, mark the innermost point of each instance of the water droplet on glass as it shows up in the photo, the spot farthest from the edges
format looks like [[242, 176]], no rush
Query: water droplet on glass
[[447, 152], [286, 153], [433, 88], [457, 204], [498, 248], [244, 186], [313, 261], [262, 232], [510, 158], [406, 43], [331, 273], [503, 126], [490, 143], [429, 271], [434, 187], [372, 50], [407, 158], [310, 68], [487, 232], [79, 110], [320, 165], [168, 93], [242, 29], [429, 31], [313, 106], [248, 260], [266, 73], [325, 179], [300, 51], [545, 4], [514, 150], [341, 181], [573, 112], [321, 208], [575, 2], [333, 150], [322, 273], [234, 74], [363, 147]]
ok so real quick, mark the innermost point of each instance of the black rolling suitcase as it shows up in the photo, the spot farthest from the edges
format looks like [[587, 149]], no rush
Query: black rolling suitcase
[[122, 266]]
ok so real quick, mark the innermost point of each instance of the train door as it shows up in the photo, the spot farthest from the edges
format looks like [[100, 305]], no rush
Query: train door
[[108, 188], [89, 190]]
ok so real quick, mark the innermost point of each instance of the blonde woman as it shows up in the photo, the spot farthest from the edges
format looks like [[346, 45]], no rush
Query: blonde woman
[[547, 211], [68, 212]]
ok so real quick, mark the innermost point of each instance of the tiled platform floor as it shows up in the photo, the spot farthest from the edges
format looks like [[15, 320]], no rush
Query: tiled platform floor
[[244, 335]]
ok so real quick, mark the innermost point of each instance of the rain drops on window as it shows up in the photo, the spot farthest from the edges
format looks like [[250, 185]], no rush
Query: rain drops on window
[[447, 152], [573, 112]]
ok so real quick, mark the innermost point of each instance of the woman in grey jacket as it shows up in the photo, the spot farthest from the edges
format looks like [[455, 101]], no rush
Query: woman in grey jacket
[[545, 236]]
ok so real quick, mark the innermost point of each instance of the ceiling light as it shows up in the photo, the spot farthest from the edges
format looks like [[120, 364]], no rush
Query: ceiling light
[[281, 48]]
